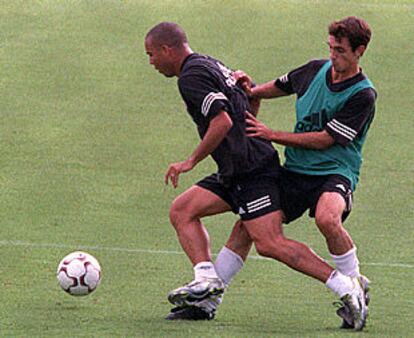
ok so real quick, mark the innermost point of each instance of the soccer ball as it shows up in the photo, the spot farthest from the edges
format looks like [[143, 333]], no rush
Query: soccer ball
[[79, 273]]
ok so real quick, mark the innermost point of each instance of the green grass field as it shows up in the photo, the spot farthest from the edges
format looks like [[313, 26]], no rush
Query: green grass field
[[88, 129]]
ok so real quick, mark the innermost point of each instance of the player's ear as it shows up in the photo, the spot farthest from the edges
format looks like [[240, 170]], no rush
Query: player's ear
[[166, 49], [360, 51]]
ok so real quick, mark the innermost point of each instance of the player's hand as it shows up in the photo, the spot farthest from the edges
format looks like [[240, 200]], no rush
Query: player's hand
[[255, 128], [175, 169], [244, 80]]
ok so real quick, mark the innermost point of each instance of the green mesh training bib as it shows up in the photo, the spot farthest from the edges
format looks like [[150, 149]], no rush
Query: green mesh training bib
[[313, 111]]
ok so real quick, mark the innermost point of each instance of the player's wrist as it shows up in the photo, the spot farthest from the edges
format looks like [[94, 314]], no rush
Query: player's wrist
[[192, 161]]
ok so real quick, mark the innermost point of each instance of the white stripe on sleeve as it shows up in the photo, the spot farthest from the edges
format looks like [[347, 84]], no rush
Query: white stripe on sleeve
[[342, 129], [208, 101]]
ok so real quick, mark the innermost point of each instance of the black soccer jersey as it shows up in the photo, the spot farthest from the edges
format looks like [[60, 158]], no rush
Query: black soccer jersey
[[208, 87]]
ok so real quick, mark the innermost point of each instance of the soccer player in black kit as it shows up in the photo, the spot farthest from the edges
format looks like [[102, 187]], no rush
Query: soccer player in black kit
[[246, 181]]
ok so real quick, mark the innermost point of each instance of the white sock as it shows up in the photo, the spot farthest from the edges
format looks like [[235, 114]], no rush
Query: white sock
[[348, 263], [339, 283], [228, 264], [204, 270]]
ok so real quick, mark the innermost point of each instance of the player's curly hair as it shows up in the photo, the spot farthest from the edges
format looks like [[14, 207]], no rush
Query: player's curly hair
[[355, 29], [167, 33]]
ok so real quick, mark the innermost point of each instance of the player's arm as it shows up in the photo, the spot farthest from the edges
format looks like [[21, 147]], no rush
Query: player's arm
[[216, 132], [311, 140], [257, 92], [266, 90], [293, 82], [345, 125], [354, 117]]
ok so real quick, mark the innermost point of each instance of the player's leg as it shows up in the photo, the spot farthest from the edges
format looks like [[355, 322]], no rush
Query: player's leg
[[295, 197], [328, 218], [266, 232], [228, 263], [185, 215], [333, 206], [239, 241], [260, 199]]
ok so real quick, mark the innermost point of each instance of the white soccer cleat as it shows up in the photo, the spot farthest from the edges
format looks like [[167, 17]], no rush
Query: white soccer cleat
[[355, 304], [344, 313], [196, 291], [364, 281]]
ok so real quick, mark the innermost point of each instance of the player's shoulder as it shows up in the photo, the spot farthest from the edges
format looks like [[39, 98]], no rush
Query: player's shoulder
[[197, 63], [370, 92], [368, 95], [307, 70], [195, 66], [202, 69], [314, 65]]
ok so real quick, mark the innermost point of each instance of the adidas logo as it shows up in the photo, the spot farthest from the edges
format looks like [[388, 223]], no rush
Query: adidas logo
[[341, 186], [284, 78], [258, 204]]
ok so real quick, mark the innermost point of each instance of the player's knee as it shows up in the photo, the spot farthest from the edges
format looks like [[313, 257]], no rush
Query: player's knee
[[271, 247], [328, 223], [263, 249], [178, 214]]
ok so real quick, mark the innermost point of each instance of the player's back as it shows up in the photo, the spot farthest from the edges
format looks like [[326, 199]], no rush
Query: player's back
[[216, 78], [208, 87]]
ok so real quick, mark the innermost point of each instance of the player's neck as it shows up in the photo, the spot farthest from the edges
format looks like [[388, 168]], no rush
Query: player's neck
[[182, 57], [346, 74]]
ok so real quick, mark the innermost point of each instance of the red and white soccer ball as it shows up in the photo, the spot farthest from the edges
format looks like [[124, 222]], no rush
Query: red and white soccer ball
[[79, 273]]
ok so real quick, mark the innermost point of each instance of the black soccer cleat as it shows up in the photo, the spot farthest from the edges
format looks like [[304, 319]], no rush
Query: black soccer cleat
[[189, 313], [347, 320]]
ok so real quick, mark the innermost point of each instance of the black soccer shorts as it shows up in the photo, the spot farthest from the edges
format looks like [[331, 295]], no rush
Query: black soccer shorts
[[301, 192], [250, 197]]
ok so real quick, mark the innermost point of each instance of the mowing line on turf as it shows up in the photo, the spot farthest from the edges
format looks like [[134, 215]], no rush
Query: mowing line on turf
[[364, 4], [150, 251]]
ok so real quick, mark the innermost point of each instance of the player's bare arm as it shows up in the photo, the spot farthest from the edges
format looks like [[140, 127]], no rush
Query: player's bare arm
[[217, 130], [311, 140], [266, 90]]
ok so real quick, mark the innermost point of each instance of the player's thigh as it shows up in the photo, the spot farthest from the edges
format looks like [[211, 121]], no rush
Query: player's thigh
[[329, 209], [334, 201], [265, 228], [198, 202]]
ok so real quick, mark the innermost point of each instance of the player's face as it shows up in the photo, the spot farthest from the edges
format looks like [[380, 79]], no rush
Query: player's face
[[160, 58], [341, 54]]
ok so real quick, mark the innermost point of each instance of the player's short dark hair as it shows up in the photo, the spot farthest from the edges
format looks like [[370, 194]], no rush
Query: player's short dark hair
[[167, 33], [355, 29]]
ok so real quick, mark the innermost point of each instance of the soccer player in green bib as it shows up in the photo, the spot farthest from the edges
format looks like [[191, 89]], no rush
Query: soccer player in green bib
[[334, 109]]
